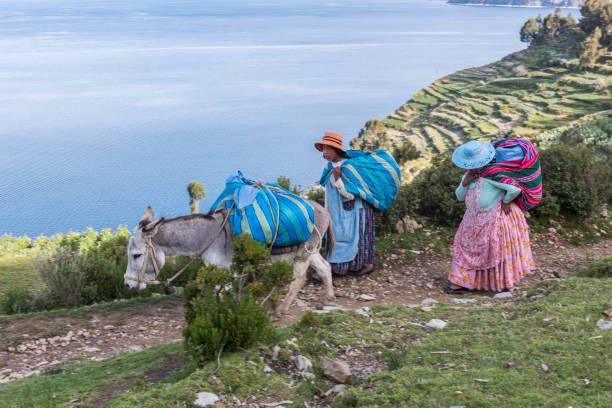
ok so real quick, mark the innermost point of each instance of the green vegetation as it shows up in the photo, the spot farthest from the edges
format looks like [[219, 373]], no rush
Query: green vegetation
[[538, 31], [196, 192], [526, 94], [89, 383], [72, 269], [600, 268], [506, 345], [226, 309]]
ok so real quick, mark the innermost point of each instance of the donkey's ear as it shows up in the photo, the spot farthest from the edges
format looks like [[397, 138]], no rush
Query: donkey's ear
[[147, 217], [153, 225]]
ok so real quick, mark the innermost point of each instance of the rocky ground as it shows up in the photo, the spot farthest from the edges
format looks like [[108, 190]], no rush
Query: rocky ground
[[30, 344]]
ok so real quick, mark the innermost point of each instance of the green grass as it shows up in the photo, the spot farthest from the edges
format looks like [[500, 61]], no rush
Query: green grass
[[90, 383], [478, 343], [18, 270]]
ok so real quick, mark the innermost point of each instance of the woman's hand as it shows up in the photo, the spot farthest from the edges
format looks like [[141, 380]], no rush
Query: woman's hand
[[337, 171], [469, 178], [506, 208]]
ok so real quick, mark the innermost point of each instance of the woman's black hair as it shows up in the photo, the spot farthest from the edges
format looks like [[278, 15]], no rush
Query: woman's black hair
[[339, 152]]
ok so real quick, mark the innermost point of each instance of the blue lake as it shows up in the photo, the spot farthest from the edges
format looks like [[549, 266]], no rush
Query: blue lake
[[110, 106]]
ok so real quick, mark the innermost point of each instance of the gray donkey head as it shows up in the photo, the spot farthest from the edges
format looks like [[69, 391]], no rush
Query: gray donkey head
[[142, 253]]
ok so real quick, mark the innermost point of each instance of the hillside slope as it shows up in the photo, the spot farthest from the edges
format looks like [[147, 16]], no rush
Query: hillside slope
[[522, 95]]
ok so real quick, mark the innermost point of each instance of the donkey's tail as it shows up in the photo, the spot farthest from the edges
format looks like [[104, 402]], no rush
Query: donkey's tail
[[330, 238]]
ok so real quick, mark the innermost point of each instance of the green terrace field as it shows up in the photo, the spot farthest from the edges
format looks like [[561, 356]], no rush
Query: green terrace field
[[523, 95]]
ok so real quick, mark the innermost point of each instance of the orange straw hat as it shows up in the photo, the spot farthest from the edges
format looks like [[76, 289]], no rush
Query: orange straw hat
[[330, 139]]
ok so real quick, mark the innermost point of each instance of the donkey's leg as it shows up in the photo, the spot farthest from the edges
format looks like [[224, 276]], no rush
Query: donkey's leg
[[299, 278], [324, 270]]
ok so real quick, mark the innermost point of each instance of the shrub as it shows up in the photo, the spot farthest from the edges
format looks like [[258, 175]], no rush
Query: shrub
[[435, 189], [317, 195], [10, 244], [600, 268], [578, 178], [20, 299], [227, 310], [65, 272], [106, 258], [406, 204]]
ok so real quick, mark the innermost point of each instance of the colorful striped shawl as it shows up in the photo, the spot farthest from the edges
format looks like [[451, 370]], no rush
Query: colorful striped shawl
[[258, 213], [373, 176], [525, 174]]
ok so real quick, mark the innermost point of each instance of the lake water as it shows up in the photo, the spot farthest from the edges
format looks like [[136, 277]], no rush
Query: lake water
[[110, 106]]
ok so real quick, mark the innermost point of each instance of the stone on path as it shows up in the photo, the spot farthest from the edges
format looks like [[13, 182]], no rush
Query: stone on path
[[365, 297], [436, 324], [205, 399], [338, 371], [302, 363], [604, 324], [503, 295], [456, 300], [428, 302]]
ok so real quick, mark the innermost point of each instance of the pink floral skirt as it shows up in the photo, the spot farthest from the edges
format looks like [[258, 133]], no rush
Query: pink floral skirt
[[516, 259]]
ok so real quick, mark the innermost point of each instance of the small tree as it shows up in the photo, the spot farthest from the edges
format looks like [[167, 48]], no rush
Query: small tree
[[227, 310], [538, 31], [530, 32], [406, 151], [591, 50], [285, 182], [597, 13], [196, 193]]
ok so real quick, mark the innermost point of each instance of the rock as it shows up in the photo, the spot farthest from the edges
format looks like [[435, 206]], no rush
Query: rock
[[436, 324], [604, 324], [205, 399], [363, 311], [300, 303], [327, 309], [552, 230], [142, 328], [608, 312], [91, 349], [338, 371], [544, 368], [365, 297], [426, 309], [503, 295], [135, 348], [511, 364], [275, 350], [428, 302], [302, 363], [336, 389], [177, 290], [267, 369], [107, 327], [457, 300]]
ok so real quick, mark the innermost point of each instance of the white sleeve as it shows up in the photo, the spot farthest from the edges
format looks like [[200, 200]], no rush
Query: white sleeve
[[339, 184]]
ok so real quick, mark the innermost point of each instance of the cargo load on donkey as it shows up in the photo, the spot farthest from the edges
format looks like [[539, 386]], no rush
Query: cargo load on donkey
[[269, 213]]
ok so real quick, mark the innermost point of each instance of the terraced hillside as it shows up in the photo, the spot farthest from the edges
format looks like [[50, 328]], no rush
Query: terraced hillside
[[523, 95]]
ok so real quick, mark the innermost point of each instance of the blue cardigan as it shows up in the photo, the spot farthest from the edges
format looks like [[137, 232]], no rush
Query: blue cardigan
[[490, 192]]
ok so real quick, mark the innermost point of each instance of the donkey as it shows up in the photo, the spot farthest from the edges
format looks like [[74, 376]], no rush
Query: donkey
[[153, 241]]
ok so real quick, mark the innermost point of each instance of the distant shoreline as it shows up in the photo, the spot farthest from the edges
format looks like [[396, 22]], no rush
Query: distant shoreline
[[508, 5]]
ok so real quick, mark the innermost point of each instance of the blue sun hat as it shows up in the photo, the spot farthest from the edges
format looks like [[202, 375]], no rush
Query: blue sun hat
[[473, 154]]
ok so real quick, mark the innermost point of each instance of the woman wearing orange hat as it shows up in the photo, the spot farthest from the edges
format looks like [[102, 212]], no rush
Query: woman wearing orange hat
[[353, 218]]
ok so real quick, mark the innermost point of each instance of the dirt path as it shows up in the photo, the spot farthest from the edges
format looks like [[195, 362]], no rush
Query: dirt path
[[30, 344]]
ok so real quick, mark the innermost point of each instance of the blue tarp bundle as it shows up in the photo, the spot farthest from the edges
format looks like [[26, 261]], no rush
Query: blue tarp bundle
[[373, 176], [256, 212]]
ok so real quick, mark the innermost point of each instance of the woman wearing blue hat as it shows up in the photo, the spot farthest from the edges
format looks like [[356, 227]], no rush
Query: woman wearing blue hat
[[491, 249]]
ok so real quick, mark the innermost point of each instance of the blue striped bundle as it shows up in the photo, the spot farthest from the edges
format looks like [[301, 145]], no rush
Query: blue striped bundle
[[373, 176], [257, 208]]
